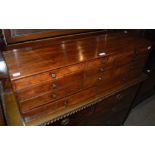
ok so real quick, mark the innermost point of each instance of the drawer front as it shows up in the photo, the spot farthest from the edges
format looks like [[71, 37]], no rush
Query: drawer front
[[113, 60], [120, 73], [46, 109], [48, 76], [111, 111], [129, 72], [99, 78], [136, 68], [100, 64], [123, 58], [142, 46], [64, 83], [82, 96], [59, 105], [141, 53], [50, 97]]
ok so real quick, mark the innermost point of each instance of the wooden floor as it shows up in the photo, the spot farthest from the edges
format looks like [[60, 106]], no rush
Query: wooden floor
[[143, 114]]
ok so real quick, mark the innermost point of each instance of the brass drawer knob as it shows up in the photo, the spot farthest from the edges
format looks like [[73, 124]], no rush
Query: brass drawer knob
[[54, 96], [53, 75], [65, 121], [101, 69], [54, 85], [100, 78], [66, 103]]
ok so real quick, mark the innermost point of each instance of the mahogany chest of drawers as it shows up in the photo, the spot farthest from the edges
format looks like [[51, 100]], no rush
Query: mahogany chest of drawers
[[89, 80]]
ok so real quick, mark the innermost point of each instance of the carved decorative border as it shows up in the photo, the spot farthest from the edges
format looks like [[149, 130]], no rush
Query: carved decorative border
[[71, 113], [93, 102]]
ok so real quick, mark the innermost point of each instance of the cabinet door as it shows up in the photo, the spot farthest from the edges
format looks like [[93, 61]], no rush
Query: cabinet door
[[111, 111]]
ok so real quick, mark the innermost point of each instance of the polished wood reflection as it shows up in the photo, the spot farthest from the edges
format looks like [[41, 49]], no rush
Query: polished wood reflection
[[53, 81]]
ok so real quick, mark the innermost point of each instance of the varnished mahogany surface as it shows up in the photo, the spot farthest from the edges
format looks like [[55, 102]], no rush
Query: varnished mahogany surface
[[110, 111], [55, 78], [14, 117], [29, 62]]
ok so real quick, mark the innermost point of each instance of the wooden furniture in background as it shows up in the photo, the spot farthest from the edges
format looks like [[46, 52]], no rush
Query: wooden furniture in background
[[82, 79], [21, 35]]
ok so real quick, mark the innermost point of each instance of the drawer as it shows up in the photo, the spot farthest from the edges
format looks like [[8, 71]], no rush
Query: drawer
[[100, 78], [46, 109], [142, 45], [138, 64], [142, 52], [114, 60], [123, 58], [59, 105], [65, 82], [99, 65], [128, 72], [136, 69], [141, 55], [82, 96], [48, 76], [120, 73], [111, 111], [50, 97]]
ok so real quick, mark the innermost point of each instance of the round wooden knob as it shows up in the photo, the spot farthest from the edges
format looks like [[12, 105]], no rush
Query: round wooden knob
[[53, 75], [66, 103], [101, 69], [54, 96], [100, 78], [54, 85]]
